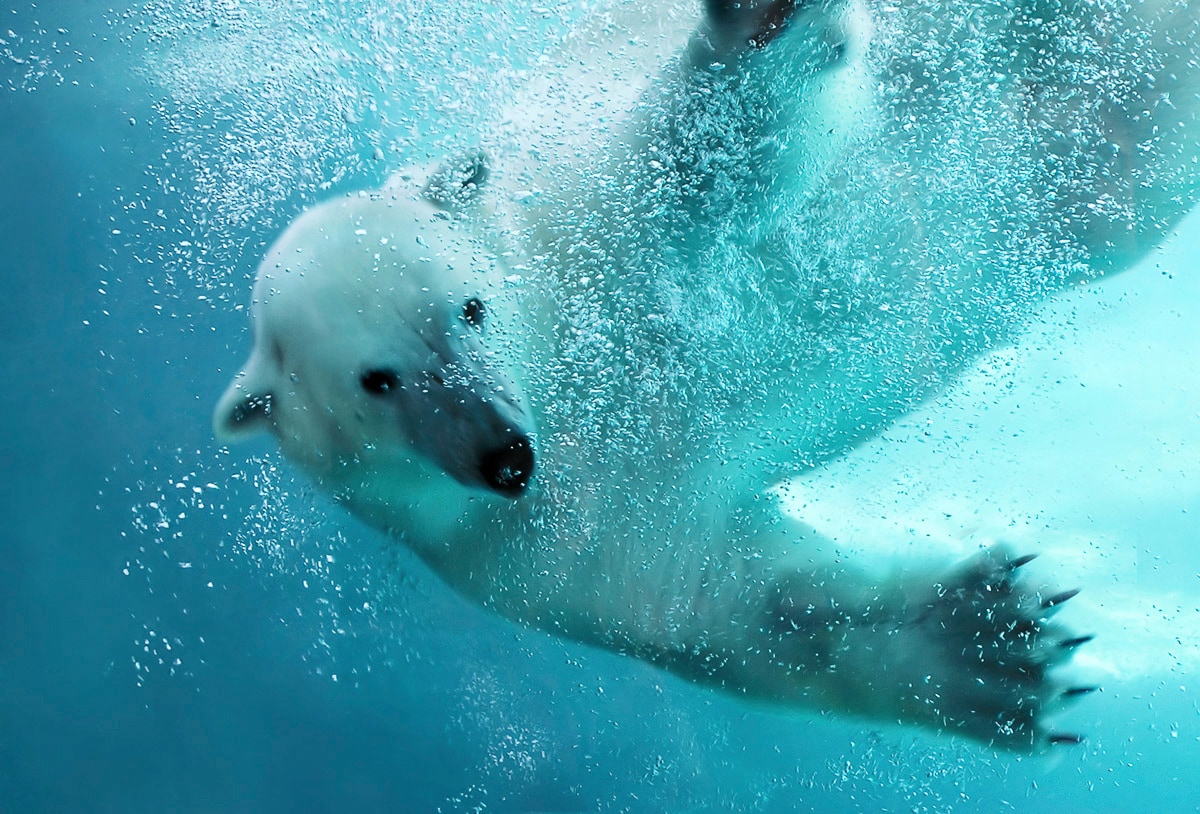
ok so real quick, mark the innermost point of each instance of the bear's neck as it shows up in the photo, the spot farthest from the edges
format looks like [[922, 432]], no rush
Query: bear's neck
[[452, 528]]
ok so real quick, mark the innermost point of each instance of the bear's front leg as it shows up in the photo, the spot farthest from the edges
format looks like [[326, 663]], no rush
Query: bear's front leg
[[971, 652]]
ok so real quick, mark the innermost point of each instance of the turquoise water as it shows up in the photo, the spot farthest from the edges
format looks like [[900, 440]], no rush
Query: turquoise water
[[192, 628]]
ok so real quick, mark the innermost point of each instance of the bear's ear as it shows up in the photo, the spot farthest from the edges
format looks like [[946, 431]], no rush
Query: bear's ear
[[245, 408], [458, 180]]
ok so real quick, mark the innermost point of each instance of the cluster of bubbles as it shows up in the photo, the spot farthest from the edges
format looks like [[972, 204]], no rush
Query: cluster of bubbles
[[32, 54], [196, 537], [267, 107]]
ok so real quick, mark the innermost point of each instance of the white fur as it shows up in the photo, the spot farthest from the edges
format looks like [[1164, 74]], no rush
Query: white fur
[[748, 264]]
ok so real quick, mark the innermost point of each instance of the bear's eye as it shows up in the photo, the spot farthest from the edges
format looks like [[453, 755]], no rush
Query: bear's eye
[[379, 382], [473, 312]]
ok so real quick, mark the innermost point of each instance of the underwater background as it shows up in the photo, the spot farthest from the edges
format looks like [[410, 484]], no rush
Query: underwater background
[[190, 628]]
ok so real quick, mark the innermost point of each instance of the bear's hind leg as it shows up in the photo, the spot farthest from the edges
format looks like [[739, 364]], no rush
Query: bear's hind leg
[[754, 23]]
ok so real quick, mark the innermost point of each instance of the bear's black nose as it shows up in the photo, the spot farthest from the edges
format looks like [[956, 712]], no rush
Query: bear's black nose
[[507, 470]]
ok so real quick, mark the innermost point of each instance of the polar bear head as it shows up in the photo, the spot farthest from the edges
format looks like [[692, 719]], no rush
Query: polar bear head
[[369, 359]]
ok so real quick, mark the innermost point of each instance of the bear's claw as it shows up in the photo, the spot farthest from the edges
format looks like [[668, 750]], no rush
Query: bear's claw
[[990, 647], [1013, 565], [1059, 598]]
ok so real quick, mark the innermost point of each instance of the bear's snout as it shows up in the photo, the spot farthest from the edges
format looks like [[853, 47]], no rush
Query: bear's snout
[[507, 470]]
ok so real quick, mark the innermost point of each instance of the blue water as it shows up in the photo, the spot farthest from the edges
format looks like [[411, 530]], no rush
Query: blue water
[[190, 629]]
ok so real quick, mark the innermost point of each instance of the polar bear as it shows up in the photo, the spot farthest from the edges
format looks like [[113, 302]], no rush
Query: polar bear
[[567, 371]]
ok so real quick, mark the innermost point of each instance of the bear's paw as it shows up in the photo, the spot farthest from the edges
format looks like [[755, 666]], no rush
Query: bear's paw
[[985, 654]]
